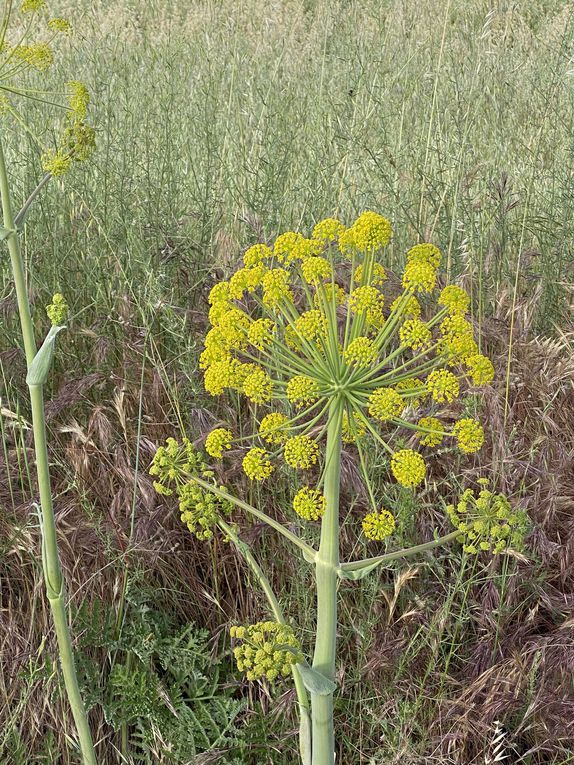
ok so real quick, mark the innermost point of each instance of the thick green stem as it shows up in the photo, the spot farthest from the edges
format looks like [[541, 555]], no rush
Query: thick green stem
[[50, 556], [327, 563]]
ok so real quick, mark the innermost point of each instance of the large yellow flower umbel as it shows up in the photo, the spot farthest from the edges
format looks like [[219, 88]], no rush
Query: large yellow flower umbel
[[329, 348], [307, 320]]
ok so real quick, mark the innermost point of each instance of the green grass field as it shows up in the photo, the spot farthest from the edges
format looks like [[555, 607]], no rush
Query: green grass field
[[222, 124]]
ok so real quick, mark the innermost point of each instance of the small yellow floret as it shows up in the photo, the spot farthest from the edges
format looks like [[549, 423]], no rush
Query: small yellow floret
[[408, 467], [273, 428], [379, 526], [217, 441], [309, 504], [470, 435], [256, 464], [301, 452], [385, 403], [443, 385]]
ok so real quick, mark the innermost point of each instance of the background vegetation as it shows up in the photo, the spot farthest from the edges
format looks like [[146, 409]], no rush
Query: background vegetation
[[221, 124]]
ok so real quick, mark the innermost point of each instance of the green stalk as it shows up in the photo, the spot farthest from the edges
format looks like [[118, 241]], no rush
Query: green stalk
[[50, 557], [302, 698], [327, 563]]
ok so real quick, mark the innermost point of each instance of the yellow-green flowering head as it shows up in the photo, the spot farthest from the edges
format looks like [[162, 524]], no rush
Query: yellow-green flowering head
[[320, 318], [29, 46], [480, 369], [274, 428], [58, 310], [257, 465], [425, 253], [469, 435], [371, 232], [487, 522], [379, 525], [309, 504], [455, 299], [218, 441], [266, 650], [201, 509], [408, 467], [328, 230]]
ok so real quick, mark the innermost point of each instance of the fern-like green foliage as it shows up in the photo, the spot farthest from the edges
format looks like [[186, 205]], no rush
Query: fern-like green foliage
[[161, 685]]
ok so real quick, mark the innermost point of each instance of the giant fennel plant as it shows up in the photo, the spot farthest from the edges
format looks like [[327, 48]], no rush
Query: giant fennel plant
[[314, 335], [30, 39]]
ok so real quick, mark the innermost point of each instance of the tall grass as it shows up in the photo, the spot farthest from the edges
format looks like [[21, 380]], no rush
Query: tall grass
[[221, 124]]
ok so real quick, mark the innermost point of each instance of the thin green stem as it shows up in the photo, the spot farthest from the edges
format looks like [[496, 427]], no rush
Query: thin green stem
[[406, 552], [302, 698], [308, 552], [50, 555]]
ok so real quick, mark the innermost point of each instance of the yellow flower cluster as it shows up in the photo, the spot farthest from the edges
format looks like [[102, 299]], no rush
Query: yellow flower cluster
[[276, 289], [58, 309], [258, 386], [316, 269], [309, 504], [257, 465], [285, 332], [328, 230], [412, 307], [385, 404], [480, 369], [415, 334], [267, 650], [368, 233], [419, 276], [408, 467], [487, 522], [470, 435], [257, 254], [260, 333], [412, 390], [311, 325], [379, 525], [361, 352], [455, 299], [274, 428], [301, 452], [217, 441], [443, 385], [200, 510], [302, 391], [174, 462], [425, 253], [432, 433]]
